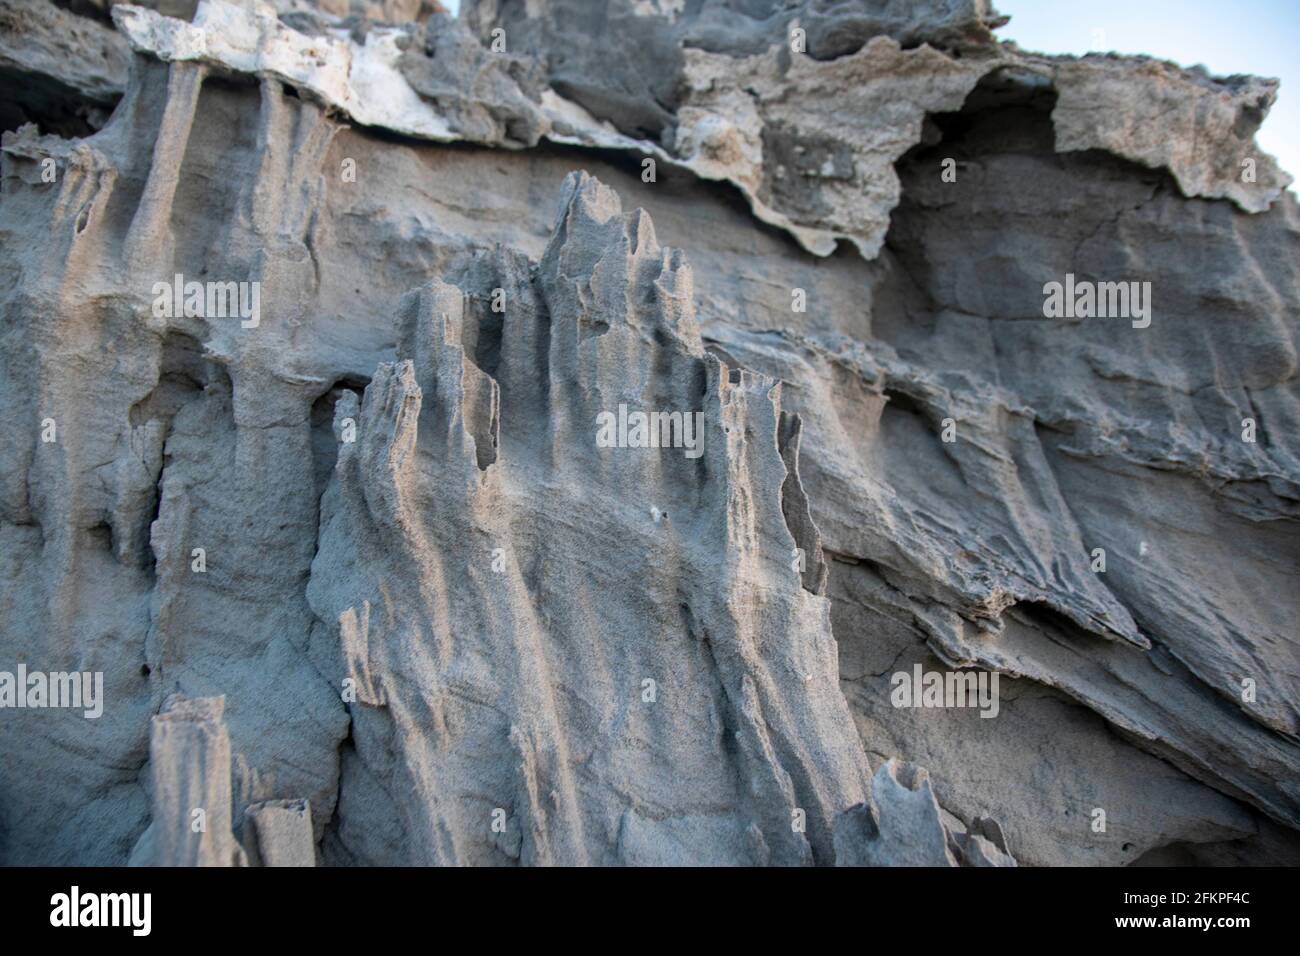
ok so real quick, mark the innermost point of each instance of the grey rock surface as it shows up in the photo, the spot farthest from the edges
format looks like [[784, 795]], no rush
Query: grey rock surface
[[64, 69], [282, 833], [757, 94], [905, 829], [365, 584], [189, 763]]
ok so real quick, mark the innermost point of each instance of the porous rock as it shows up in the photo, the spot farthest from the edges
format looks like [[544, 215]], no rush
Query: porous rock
[[363, 583]]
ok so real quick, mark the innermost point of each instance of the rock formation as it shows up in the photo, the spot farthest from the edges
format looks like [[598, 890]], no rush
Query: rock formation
[[590, 433]]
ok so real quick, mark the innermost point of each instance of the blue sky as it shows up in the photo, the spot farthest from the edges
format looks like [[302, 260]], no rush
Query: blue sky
[[1243, 36]]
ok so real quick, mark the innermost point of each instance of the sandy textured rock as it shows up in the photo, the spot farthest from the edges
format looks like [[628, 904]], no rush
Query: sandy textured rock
[[720, 89], [189, 759], [67, 70], [753, 110], [1129, 107], [907, 827], [281, 833], [385, 11], [463, 446], [735, 95], [449, 625], [769, 124], [909, 831]]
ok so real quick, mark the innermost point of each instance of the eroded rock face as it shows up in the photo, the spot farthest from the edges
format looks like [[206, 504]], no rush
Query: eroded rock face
[[758, 94], [62, 70], [506, 685], [366, 551]]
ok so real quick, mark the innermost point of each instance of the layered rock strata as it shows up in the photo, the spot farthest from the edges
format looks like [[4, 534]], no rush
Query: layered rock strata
[[366, 583]]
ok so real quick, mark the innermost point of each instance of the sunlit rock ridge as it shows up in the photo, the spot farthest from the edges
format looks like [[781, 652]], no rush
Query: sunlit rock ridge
[[639, 433]]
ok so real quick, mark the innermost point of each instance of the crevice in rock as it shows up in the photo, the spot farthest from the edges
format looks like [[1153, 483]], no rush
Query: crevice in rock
[[53, 106], [183, 374], [324, 443], [809, 561]]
